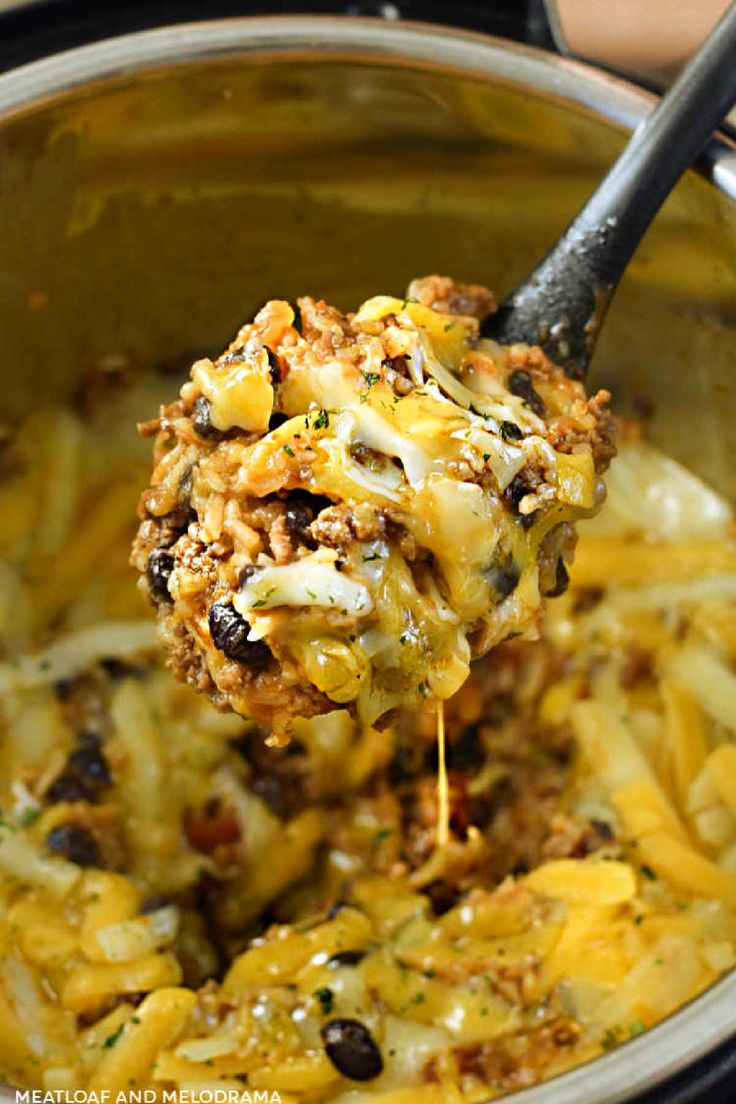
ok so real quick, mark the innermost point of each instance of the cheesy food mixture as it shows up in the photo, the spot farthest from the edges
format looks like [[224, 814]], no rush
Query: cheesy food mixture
[[345, 510]]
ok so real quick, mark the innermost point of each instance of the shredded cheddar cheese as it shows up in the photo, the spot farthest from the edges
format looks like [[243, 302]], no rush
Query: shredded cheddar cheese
[[184, 909]]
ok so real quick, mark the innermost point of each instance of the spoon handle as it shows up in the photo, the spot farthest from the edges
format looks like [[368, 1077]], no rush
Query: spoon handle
[[562, 304]]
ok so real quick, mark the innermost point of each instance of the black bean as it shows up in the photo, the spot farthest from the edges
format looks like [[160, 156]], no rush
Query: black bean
[[442, 896], [68, 786], [510, 431], [91, 763], [317, 502], [75, 843], [519, 488], [504, 577], [520, 384], [155, 902], [160, 566], [352, 1049], [346, 958], [230, 635], [274, 366], [298, 517], [201, 419], [247, 573], [562, 578], [302, 508]]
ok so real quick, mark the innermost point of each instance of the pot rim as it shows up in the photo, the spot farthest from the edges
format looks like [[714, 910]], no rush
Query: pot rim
[[444, 48], [710, 1019]]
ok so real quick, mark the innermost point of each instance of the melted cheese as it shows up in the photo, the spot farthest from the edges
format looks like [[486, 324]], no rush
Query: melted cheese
[[311, 581], [443, 790], [410, 425], [239, 392]]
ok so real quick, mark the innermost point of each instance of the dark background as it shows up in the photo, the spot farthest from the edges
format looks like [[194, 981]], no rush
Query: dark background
[[35, 30]]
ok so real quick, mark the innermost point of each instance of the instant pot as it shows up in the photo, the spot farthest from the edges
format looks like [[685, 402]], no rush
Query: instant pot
[[155, 187]]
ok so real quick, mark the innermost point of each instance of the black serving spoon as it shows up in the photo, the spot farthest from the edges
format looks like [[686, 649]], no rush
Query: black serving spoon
[[562, 304]]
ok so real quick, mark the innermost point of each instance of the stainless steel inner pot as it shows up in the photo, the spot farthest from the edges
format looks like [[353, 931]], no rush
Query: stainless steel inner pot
[[155, 188]]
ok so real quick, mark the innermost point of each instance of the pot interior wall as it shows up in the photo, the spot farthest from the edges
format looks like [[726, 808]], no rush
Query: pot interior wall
[[149, 216]]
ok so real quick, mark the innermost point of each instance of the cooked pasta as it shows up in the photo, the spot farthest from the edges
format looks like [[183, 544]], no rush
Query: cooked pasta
[[183, 908], [345, 510]]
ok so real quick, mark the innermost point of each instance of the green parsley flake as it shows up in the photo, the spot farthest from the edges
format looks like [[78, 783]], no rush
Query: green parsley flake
[[111, 1040], [262, 601], [326, 998]]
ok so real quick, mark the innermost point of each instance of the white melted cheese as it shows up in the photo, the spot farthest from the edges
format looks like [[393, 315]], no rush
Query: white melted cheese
[[505, 460], [458, 522], [422, 430], [492, 412], [376, 432], [311, 581], [375, 428]]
